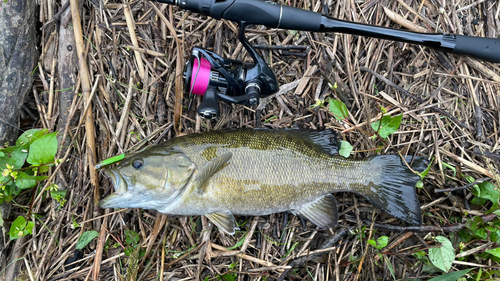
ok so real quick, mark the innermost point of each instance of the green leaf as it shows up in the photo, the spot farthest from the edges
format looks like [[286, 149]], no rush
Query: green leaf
[[229, 277], [132, 238], [74, 223], [419, 255], [481, 234], [497, 212], [43, 150], [446, 165], [424, 173], [389, 266], [387, 125], [430, 268], [109, 161], [19, 155], [20, 228], [420, 184], [495, 235], [443, 256], [345, 149], [130, 251], [31, 135], [9, 192], [290, 250], [381, 242], [41, 169], [25, 181], [474, 224], [14, 156], [487, 191], [239, 243], [452, 276], [29, 227], [495, 252], [338, 109], [478, 201], [86, 238], [372, 242], [319, 103], [58, 194]]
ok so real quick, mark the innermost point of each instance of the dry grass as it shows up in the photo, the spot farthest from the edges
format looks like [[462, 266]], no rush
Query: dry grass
[[134, 52]]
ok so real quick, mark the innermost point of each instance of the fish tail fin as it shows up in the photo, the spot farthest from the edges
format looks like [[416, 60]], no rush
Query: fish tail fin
[[396, 193]]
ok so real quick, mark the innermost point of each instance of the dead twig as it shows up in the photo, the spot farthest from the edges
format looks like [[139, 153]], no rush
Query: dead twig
[[89, 121], [461, 187], [425, 228], [302, 260], [406, 93]]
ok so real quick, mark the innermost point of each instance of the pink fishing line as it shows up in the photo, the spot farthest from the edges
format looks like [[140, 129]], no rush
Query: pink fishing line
[[199, 81]]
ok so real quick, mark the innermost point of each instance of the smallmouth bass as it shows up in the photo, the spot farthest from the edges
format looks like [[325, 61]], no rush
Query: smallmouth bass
[[259, 172]]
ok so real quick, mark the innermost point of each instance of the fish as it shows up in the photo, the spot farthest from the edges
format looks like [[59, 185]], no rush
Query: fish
[[256, 172]]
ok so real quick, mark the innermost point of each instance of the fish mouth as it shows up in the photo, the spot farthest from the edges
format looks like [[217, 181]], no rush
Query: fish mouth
[[120, 186]]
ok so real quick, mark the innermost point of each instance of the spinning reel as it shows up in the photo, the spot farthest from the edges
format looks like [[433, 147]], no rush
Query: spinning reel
[[215, 78]]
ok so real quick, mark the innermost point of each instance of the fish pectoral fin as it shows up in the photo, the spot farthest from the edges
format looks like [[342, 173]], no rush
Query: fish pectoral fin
[[224, 220], [211, 168], [322, 212]]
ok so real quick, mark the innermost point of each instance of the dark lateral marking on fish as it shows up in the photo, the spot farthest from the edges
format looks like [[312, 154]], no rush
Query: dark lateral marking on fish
[[209, 152]]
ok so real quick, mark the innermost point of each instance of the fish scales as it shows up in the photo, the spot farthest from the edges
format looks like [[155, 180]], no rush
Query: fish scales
[[259, 172], [267, 174]]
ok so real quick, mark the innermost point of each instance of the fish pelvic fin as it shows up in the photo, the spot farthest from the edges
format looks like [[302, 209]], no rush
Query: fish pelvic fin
[[224, 220], [396, 194], [322, 212], [210, 169]]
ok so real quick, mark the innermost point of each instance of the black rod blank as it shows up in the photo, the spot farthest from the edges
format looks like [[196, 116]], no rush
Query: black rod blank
[[275, 15]]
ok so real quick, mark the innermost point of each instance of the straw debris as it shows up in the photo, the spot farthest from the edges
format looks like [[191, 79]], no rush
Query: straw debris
[[130, 96]]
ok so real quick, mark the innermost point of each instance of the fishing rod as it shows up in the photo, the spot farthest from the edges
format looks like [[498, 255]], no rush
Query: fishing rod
[[210, 75], [275, 15]]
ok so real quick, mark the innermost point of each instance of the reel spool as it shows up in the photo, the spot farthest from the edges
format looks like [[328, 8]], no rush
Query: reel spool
[[215, 78], [199, 84]]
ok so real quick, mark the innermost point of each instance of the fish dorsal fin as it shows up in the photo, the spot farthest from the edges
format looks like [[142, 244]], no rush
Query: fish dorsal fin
[[224, 220], [211, 168], [322, 212], [327, 139]]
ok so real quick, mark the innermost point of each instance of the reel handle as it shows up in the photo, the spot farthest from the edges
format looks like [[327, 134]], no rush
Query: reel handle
[[209, 108]]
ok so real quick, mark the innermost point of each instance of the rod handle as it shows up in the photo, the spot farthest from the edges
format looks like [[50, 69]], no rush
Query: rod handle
[[269, 14], [487, 49]]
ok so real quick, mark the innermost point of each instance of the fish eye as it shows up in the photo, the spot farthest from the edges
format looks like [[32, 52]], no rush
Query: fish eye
[[137, 164]]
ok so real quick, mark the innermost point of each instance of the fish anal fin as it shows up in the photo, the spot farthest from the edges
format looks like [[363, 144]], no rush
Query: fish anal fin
[[211, 168], [223, 220], [322, 212]]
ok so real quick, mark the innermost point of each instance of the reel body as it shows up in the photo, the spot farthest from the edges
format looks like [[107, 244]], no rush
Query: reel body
[[227, 80]]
